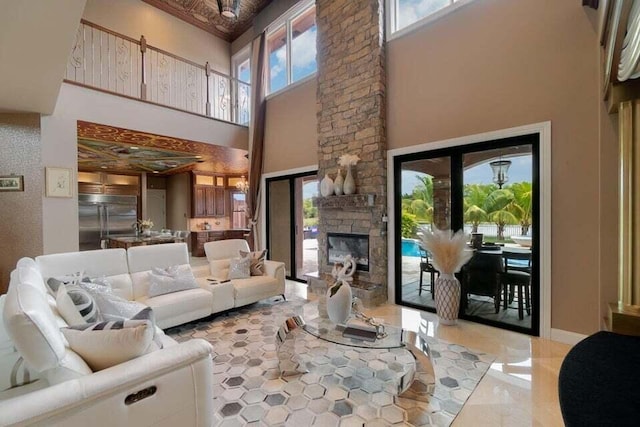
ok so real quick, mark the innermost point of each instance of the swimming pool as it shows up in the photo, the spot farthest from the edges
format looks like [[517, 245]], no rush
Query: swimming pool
[[410, 247]]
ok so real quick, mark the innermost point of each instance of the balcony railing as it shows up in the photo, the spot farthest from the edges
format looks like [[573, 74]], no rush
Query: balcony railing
[[114, 63]]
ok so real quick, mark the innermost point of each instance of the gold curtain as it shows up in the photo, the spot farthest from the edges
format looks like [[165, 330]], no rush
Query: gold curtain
[[256, 134], [629, 175]]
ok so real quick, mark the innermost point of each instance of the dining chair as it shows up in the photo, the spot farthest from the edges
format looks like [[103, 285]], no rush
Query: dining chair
[[426, 267], [517, 275], [480, 277]]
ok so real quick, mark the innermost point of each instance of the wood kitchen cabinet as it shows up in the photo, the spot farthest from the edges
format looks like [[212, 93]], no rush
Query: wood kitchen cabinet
[[202, 237], [208, 199]]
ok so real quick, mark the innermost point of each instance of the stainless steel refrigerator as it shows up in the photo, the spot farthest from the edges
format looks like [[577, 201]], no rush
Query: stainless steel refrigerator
[[102, 216]]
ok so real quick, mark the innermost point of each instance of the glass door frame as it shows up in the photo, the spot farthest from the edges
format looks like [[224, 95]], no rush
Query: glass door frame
[[292, 212], [456, 154]]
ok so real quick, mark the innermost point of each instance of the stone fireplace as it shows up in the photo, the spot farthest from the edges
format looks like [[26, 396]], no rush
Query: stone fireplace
[[351, 119]]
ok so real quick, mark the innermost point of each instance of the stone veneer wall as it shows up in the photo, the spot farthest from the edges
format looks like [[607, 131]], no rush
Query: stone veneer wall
[[351, 119]]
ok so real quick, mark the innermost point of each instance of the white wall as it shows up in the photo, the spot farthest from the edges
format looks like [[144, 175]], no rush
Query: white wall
[[134, 18], [59, 144]]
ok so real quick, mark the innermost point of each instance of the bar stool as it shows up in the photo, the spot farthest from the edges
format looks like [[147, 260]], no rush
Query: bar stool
[[426, 267]]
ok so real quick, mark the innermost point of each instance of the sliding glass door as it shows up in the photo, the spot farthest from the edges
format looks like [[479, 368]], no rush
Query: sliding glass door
[[491, 191], [292, 223]]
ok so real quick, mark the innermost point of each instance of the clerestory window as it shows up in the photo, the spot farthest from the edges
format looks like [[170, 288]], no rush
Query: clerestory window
[[291, 46], [405, 15]]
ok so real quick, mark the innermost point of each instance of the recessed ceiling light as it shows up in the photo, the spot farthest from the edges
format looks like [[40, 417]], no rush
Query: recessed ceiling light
[[198, 157], [133, 147], [103, 167], [156, 172]]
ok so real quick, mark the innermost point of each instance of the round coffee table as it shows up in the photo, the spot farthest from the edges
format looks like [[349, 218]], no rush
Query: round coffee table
[[417, 383]]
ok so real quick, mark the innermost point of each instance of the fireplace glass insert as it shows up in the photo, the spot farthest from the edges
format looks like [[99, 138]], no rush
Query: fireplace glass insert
[[339, 245]]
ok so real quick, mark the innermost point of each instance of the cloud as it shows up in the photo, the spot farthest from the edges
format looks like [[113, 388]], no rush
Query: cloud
[[303, 52], [409, 11], [304, 49]]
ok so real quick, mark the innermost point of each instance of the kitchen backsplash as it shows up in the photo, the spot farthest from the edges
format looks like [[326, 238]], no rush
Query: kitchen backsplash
[[197, 224]]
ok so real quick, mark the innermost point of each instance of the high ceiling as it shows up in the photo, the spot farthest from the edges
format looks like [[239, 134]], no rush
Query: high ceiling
[[117, 150], [204, 14]]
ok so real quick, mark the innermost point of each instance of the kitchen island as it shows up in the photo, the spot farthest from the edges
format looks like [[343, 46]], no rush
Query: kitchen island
[[127, 242]]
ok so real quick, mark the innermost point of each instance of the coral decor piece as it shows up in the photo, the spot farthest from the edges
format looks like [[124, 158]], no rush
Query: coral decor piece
[[449, 253]]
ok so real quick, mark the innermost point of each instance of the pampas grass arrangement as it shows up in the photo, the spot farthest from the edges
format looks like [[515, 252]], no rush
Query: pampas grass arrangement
[[447, 249]]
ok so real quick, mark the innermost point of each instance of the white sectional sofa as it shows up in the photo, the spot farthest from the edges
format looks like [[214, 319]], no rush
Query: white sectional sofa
[[167, 387], [251, 289], [68, 393]]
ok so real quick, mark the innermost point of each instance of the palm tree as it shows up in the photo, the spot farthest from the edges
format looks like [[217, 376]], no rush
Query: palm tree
[[521, 205], [474, 197], [420, 202], [496, 205]]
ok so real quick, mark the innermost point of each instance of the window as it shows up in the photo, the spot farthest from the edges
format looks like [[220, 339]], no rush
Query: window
[[405, 13], [291, 46], [241, 86]]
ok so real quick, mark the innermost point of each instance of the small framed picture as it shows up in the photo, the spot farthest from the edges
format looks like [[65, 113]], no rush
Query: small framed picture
[[58, 182], [12, 183]]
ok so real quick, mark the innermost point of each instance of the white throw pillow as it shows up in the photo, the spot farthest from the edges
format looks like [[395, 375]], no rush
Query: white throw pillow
[[171, 279], [239, 268], [107, 344], [110, 305]]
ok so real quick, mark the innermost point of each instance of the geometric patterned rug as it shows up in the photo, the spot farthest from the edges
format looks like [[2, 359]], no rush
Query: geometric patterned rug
[[347, 387]]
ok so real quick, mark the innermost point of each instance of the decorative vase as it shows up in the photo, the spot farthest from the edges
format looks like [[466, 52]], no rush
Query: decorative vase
[[146, 232], [326, 186], [349, 186], [447, 296], [338, 183], [339, 305]]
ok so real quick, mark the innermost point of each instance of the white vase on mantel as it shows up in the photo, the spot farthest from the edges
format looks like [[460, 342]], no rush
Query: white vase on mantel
[[349, 186], [338, 184], [326, 186]]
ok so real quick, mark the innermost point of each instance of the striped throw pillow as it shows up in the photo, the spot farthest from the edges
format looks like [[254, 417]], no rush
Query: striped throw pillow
[[76, 305], [257, 261]]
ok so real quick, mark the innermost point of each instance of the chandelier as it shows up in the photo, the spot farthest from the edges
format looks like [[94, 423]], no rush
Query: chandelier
[[243, 185], [229, 8], [500, 169]]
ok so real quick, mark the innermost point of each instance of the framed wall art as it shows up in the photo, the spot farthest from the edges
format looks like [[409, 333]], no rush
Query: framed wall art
[[58, 182], [12, 183]]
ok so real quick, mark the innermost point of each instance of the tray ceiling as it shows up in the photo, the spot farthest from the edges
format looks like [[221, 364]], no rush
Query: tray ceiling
[[117, 150], [205, 15]]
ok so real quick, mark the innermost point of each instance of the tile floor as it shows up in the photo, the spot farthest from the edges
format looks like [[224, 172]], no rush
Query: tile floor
[[521, 387]]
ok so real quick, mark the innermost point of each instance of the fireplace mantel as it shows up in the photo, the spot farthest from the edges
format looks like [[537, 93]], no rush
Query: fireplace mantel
[[345, 202]]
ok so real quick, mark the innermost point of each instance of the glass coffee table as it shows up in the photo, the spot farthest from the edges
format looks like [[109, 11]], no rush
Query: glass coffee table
[[417, 382]]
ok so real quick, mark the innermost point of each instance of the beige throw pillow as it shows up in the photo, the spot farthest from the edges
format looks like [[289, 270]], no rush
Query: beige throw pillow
[[257, 261], [107, 344]]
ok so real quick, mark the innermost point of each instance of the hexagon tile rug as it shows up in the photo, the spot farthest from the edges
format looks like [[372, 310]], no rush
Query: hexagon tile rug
[[348, 386]]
